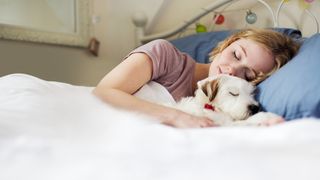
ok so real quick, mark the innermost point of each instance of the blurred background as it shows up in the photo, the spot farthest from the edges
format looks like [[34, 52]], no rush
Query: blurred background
[[110, 22]]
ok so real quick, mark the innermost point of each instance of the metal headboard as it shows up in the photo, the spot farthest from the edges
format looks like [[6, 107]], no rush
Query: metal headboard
[[140, 21]]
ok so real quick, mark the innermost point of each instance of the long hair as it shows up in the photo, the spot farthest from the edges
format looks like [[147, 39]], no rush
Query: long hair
[[282, 47]]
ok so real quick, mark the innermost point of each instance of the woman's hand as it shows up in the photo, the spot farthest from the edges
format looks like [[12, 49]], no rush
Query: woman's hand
[[272, 121], [184, 120]]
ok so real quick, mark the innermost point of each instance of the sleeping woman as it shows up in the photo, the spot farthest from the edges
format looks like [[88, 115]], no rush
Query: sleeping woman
[[252, 54]]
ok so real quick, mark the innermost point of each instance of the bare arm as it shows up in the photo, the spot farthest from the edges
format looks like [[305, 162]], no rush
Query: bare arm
[[117, 87]]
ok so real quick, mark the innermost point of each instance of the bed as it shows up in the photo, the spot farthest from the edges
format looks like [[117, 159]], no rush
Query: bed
[[53, 130]]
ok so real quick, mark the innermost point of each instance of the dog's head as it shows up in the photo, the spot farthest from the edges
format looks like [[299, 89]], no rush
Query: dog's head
[[228, 94]]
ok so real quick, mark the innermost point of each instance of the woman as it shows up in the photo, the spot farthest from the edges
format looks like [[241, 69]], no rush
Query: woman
[[250, 54]]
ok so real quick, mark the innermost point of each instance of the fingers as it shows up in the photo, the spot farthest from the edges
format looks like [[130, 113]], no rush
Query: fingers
[[196, 122], [205, 122], [185, 120], [272, 121]]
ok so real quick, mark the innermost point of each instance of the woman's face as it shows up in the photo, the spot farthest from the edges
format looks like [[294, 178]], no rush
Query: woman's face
[[243, 58]]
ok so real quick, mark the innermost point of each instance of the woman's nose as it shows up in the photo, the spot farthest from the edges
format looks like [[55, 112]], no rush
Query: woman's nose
[[229, 70]]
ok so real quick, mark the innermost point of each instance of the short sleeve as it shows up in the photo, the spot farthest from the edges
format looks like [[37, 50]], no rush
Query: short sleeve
[[171, 68]]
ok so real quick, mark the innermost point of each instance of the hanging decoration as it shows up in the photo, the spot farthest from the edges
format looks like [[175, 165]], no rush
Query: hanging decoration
[[200, 28], [251, 17], [218, 19]]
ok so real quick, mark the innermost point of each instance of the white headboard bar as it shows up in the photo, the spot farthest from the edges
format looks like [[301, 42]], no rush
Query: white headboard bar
[[141, 22]]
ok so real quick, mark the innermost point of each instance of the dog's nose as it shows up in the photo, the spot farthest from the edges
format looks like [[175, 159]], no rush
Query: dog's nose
[[253, 108]]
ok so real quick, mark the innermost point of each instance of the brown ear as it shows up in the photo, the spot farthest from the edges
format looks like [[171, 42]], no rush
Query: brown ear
[[210, 89]]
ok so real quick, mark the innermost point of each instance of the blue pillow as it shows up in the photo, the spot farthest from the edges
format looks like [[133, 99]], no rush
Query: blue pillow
[[200, 45], [294, 90]]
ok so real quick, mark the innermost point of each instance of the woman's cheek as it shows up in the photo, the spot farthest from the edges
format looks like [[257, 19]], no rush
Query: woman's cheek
[[213, 69]]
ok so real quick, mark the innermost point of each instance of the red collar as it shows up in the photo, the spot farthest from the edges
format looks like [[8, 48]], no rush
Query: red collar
[[209, 107]]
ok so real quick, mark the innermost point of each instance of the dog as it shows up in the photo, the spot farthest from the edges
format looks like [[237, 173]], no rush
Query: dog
[[227, 101]]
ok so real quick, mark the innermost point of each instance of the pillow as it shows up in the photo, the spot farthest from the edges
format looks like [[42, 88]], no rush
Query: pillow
[[198, 46], [293, 91]]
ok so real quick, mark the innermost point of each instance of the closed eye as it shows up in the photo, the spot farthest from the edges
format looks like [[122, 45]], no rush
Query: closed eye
[[235, 56], [234, 94]]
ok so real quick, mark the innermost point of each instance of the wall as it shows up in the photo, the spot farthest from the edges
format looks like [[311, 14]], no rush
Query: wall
[[116, 33], [75, 65]]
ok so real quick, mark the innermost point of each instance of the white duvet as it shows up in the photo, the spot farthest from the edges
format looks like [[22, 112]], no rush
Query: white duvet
[[57, 131]]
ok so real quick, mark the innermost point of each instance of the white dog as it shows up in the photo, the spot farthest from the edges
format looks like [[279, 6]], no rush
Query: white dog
[[227, 100]]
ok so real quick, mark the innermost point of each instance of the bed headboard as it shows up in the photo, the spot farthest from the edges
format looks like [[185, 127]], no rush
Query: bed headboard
[[140, 19]]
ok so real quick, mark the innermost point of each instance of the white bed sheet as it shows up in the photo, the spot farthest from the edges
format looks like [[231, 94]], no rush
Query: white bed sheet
[[52, 130]]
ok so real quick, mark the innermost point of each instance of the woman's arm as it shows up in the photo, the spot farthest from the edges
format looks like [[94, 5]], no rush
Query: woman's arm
[[117, 87]]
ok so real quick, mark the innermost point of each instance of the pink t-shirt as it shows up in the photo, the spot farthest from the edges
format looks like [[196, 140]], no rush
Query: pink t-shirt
[[171, 68]]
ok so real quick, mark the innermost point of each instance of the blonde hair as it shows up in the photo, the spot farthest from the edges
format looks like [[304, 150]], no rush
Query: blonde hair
[[282, 47]]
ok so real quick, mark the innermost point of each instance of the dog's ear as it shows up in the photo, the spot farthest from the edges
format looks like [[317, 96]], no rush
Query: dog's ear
[[210, 89]]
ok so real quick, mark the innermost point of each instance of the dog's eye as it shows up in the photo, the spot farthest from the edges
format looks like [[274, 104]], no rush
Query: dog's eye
[[234, 94]]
